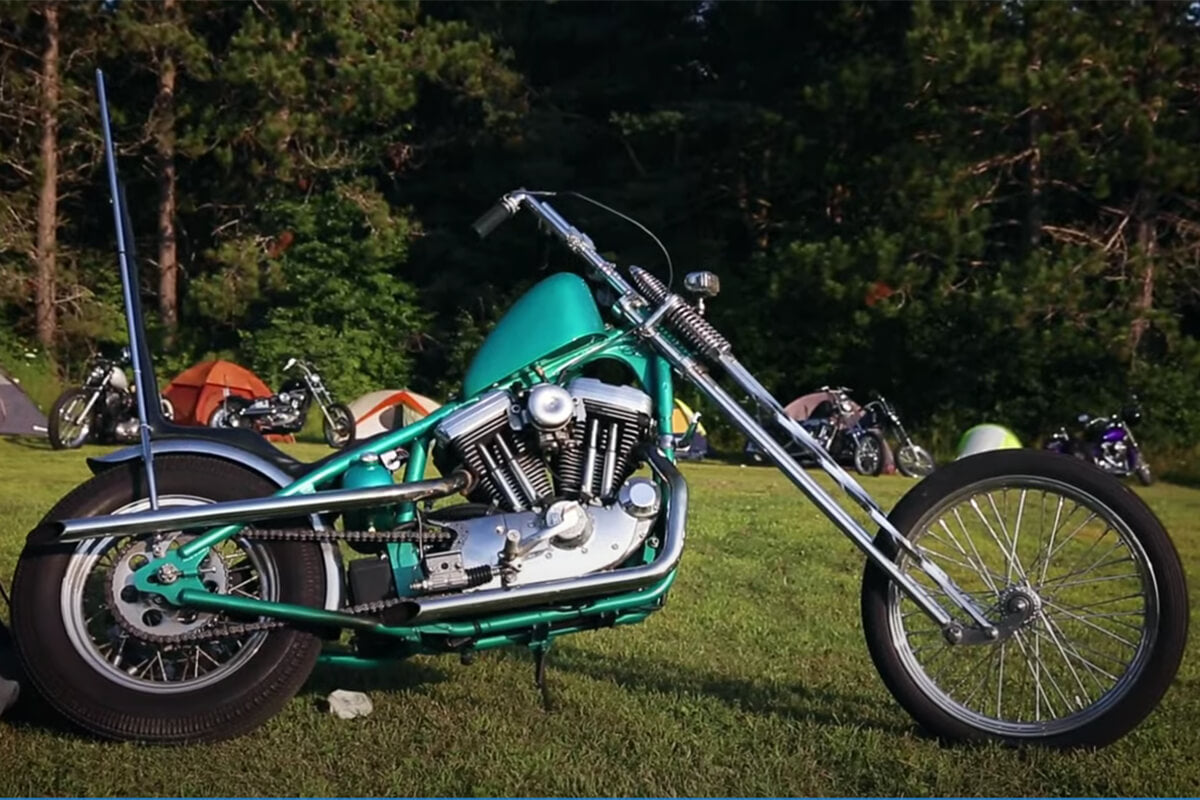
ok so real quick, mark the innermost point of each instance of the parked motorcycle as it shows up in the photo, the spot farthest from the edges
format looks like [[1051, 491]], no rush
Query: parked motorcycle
[[102, 410], [911, 459], [841, 429], [286, 411], [193, 606], [1107, 442]]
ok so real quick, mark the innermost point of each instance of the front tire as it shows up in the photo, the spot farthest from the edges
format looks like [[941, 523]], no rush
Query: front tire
[[1100, 581], [338, 426], [868, 453], [101, 676], [914, 461], [1144, 475], [67, 428]]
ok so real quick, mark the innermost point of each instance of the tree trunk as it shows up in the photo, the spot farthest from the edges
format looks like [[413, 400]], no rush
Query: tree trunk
[[47, 214], [1147, 240], [168, 260]]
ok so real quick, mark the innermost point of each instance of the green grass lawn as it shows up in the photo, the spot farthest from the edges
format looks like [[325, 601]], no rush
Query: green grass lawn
[[753, 680]]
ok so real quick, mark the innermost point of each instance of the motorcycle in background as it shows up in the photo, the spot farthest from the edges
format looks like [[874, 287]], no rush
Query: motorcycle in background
[[102, 410], [1107, 442], [842, 430], [911, 459], [286, 411]]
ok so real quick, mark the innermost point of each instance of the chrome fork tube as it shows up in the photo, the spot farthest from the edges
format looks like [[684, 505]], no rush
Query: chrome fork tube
[[822, 499]]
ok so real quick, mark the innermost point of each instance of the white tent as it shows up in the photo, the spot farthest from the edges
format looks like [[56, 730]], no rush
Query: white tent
[[387, 410]]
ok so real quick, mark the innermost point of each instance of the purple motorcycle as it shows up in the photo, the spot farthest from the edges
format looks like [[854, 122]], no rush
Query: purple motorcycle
[[1107, 442]]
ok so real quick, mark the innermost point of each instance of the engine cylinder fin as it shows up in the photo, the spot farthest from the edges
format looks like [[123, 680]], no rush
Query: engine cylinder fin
[[496, 477]]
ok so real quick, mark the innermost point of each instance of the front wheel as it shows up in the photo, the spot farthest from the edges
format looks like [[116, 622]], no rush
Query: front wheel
[[338, 426], [69, 425], [868, 453], [1074, 570], [1144, 475], [914, 461], [94, 647]]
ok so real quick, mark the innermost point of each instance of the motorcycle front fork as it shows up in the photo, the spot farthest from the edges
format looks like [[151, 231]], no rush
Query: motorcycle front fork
[[981, 630]]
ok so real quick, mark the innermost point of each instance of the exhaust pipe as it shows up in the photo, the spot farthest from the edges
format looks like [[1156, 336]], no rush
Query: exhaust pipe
[[206, 516], [420, 611]]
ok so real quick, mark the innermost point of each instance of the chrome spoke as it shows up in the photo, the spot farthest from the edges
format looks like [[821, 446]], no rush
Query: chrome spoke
[[1083, 578]]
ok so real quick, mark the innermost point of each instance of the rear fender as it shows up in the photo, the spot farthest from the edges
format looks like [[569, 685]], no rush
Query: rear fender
[[332, 557]]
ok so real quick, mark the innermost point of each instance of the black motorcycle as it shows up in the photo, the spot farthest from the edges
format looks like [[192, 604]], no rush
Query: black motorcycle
[[286, 411], [103, 410], [911, 459], [842, 430], [1107, 442]]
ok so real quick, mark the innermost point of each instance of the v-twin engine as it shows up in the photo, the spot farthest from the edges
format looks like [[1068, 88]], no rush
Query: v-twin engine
[[573, 442], [554, 466]]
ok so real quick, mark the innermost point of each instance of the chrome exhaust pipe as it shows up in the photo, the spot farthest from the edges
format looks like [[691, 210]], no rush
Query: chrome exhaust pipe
[[419, 611], [275, 506]]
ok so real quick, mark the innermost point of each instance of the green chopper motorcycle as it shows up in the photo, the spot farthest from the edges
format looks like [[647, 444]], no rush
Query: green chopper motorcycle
[[186, 591]]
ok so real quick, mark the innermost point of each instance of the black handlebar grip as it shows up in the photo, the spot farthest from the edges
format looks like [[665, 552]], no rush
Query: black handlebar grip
[[491, 219]]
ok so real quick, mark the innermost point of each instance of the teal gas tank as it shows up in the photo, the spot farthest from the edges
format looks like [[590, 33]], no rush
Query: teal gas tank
[[555, 314]]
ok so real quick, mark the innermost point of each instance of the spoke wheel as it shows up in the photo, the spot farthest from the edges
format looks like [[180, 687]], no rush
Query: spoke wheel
[[68, 428], [105, 615], [88, 640], [914, 461], [338, 427], [1073, 569]]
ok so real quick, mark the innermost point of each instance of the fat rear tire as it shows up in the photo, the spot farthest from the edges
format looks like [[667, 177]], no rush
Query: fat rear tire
[[242, 698]]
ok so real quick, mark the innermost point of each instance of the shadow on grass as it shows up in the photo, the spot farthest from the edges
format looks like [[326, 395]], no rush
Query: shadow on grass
[[794, 701], [406, 675]]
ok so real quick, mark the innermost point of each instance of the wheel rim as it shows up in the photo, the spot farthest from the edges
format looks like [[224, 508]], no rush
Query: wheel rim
[[868, 455], [71, 432], [1094, 622], [339, 430], [915, 460], [86, 605]]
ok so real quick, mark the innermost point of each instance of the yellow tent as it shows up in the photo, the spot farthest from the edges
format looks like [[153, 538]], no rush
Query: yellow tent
[[681, 417]]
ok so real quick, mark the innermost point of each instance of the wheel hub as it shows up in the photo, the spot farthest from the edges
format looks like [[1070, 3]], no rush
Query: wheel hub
[[1019, 607], [142, 613]]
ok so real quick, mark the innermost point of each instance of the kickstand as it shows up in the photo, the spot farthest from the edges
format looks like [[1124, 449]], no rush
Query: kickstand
[[540, 647]]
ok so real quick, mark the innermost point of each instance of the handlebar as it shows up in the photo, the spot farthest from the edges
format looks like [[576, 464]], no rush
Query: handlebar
[[493, 218], [575, 240]]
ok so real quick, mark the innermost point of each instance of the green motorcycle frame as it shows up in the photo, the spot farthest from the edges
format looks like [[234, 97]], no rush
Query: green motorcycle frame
[[989, 604]]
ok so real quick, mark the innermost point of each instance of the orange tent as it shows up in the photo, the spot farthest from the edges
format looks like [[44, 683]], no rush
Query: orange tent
[[198, 390]]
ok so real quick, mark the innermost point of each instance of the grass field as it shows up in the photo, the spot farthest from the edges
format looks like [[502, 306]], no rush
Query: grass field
[[753, 680]]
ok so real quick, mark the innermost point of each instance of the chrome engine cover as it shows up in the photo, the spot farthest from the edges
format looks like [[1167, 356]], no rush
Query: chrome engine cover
[[566, 540]]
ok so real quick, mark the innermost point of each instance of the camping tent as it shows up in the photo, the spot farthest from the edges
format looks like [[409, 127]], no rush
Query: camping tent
[[803, 407], [198, 390], [18, 415], [681, 418], [389, 409]]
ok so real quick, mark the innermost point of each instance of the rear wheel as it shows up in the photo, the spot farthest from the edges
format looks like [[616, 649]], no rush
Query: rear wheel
[[914, 461], [868, 453], [87, 639], [1072, 567], [338, 426], [68, 426]]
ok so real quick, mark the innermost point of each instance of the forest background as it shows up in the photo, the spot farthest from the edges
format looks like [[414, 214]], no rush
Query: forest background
[[985, 211]]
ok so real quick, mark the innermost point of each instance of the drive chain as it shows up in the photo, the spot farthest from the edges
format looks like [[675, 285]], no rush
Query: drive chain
[[426, 536]]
